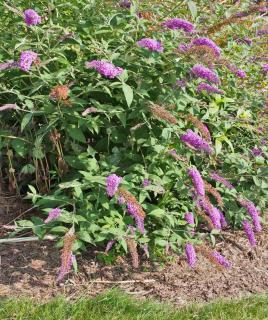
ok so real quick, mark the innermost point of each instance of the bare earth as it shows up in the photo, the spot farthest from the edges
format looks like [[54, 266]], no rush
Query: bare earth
[[30, 269]]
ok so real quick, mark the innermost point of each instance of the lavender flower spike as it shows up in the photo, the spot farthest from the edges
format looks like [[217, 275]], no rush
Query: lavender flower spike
[[221, 259], [106, 69], [65, 269], [212, 212], [240, 74], [31, 17], [189, 217], [150, 44], [194, 140], [201, 71], [109, 245], [132, 210], [146, 183], [190, 254], [249, 232], [27, 58], [208, 88], [125, 4], [176, 23], [222, 219], [8, 65], [222, 180], [53, 214], [253, 212], [265, 68], [8, 106], [112, 184], [197, 181], [209, 43]]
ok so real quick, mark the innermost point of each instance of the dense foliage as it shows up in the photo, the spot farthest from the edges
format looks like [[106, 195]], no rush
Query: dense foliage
[[169, 112]]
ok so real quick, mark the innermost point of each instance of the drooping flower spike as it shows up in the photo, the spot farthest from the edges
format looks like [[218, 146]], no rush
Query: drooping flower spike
[[176, 24], [106, 69], [194, 140], [112, 184], [150, 44], [31, 17]]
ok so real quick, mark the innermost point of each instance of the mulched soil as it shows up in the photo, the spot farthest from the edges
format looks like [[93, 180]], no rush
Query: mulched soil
[[29, 269]]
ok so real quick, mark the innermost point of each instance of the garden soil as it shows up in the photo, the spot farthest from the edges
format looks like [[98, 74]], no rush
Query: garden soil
[[30, 269]]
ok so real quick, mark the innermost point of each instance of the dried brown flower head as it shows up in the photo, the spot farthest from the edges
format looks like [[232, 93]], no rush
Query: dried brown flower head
[[210, 189], [132, 247], [59, 93], [129, 198], [162, 113], [200, 126], [208, 253], [206, 218], [66, 255]]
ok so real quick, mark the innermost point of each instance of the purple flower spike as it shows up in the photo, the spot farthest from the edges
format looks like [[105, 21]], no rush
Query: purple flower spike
[[190, 254], [222, 219], [8, 65], [189, 217], [249, 232], [52, 215], [146, 183], [183, 47], [121, 200], [8, 106], [106, 69], [256, 152], [208, 88], [150, 44], [31, 17], [265, 68], [112, 184], [253, 212], [194, 140], [197, 181], [125, 4], [209, 43], [146, 250], [262, 32], [176, 24], [240, 74], [203, 72], [132, 210], [216, 218], [109, 245], [181, 83], [27, 58], [221, 259], [213, 213], [222, 180], [64, 269]]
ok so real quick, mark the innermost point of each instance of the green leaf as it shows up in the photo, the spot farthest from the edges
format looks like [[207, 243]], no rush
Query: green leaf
[[128, 92], [28, 169], [218, 146], [59, 229], [77, 134], [19, 146], [25, 224], [84, 235], [192, 7], [25, 120]]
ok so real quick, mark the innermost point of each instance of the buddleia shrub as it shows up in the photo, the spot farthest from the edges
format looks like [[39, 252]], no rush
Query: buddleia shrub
[[131, 129]]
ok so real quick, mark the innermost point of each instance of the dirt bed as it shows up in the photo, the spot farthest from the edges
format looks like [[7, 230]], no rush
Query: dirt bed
[[30, 269]]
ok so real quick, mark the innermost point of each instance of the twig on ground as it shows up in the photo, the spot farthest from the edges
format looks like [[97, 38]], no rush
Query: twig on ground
[[26, 239]]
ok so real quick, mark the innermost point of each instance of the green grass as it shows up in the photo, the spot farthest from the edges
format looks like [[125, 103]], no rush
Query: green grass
[[115, 305]]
